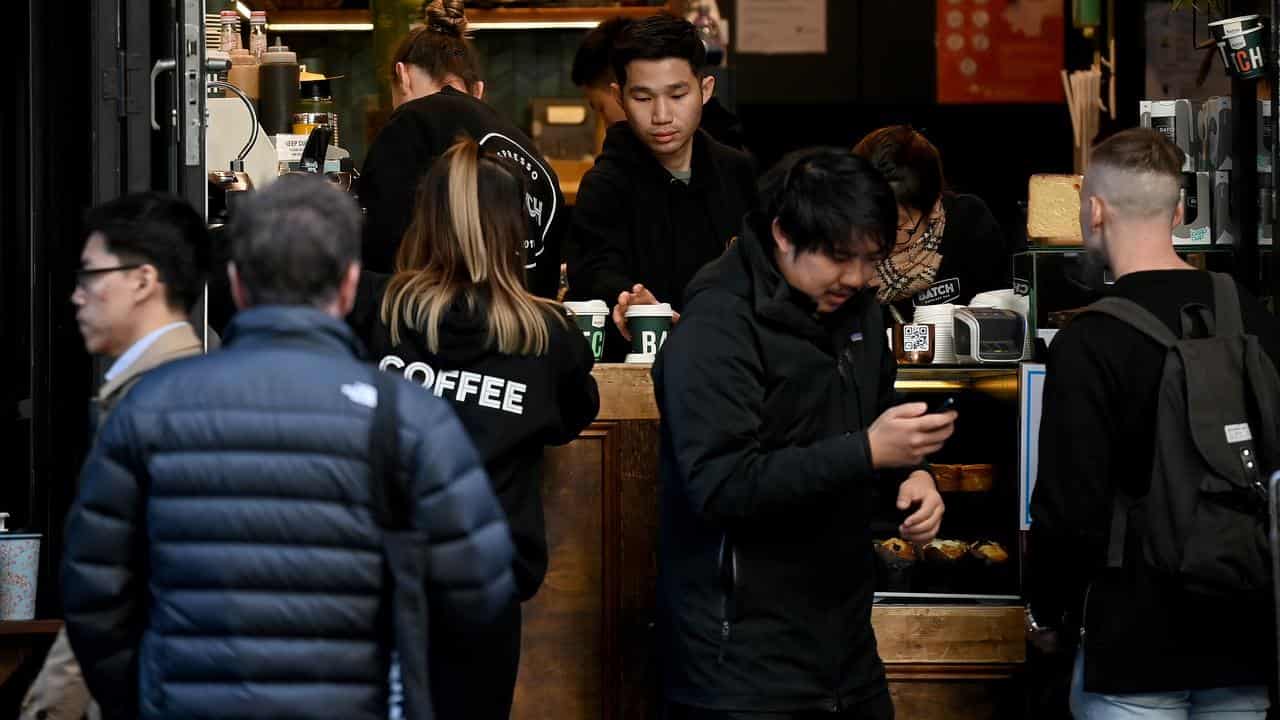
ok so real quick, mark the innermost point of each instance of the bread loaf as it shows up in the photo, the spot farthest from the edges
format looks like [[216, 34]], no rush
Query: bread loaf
[[1053, 209]]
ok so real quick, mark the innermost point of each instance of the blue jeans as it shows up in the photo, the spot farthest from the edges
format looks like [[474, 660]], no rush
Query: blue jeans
[[1233, 703]]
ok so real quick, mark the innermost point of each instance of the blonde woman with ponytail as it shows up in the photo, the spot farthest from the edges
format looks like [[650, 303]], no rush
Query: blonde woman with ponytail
[[456, 319], [437, 92]]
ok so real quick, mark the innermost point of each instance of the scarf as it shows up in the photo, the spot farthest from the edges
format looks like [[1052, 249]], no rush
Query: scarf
[[913, 265]]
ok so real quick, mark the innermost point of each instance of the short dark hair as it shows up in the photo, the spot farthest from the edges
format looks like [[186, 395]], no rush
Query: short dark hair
[[159, 230], [1141, 150], [591, 66], [293, 241], [657, 37], [909, 162], [827, 200]]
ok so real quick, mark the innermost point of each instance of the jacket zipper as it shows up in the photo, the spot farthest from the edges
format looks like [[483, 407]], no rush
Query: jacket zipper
[[1084, 612], [728, 564]]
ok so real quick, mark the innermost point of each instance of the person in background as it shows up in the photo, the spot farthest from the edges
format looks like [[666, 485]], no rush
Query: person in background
[[949, 247], [143, 266], [222, 558], [437, 91], [1151, 648], [664, 198], [776, 397], [457, 319], [593, 74]]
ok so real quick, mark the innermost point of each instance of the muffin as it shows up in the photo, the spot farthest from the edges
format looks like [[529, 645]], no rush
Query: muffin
[[977, 478], [946, 477], [989, 552], [945, 551], [940, 571], [896, 561], [988, 569]]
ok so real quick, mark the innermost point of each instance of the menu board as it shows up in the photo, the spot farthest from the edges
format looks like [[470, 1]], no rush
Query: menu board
[[1000, 51]]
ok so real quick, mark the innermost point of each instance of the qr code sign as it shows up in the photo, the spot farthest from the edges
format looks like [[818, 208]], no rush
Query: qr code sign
[[915, 338]]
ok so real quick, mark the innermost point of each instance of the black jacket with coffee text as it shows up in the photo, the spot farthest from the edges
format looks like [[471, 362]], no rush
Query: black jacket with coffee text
[[418, 132], [512, 406], [765, 561]]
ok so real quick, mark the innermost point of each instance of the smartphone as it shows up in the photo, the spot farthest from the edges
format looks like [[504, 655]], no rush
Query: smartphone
[[946, 404]]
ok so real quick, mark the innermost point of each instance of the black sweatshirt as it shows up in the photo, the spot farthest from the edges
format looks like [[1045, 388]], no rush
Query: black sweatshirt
[[635, 223], [511, 405], [418, 132], [975, 256], [1097, 435]]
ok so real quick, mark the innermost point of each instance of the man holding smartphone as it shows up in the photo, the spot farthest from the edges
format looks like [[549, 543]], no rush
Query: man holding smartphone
[[776, 395]]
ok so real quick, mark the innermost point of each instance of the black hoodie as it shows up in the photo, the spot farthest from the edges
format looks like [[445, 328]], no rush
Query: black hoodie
[[765, 563], [511, 405], [418, 132], [636, 223]]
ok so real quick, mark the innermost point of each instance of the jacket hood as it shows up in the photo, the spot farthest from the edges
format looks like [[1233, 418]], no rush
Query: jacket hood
[[748, 270]]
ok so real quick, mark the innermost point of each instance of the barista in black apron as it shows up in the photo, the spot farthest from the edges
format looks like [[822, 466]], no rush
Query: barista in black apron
[[949, 246]]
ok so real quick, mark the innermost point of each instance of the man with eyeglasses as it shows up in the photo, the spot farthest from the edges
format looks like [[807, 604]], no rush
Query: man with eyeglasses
[[142, 269]]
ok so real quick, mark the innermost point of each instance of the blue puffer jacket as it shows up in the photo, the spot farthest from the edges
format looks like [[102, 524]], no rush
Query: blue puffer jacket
[[221, 558]]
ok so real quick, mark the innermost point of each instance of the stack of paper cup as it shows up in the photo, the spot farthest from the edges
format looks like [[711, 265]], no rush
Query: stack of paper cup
[[942, 318]]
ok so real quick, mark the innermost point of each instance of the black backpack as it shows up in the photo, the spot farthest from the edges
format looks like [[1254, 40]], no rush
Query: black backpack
[[1203, 523]]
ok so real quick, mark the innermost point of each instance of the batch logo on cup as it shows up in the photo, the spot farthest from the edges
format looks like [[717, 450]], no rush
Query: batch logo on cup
[[590, 317], [649, 326]]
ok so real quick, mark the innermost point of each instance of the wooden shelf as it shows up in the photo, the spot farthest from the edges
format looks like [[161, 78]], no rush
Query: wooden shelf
[[499, 16], [30, 627], [484, 19]]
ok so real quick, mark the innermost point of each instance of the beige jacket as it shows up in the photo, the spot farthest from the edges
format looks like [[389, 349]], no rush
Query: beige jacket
[[59, 691]]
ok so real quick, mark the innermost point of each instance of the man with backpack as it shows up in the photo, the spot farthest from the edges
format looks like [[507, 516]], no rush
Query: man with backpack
[[1159, 430]]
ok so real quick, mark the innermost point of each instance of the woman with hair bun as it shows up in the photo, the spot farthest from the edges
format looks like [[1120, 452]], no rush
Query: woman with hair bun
[[437, 90]]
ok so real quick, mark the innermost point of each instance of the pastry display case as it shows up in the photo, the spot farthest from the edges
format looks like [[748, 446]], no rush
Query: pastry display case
[[976, 557]]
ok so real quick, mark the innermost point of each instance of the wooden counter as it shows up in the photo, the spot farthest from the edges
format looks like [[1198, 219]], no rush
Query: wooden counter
[[587, 651]]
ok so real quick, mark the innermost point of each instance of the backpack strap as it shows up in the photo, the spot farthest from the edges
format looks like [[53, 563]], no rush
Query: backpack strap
[[1145, 322], [1137, 317], [1226, 307], [387, 489]]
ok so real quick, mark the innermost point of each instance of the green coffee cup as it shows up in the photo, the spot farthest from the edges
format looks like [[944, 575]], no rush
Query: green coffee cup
[[649, 326], [591, 316]]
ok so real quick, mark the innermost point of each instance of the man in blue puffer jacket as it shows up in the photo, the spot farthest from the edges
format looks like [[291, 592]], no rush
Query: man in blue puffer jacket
[[221, 558]]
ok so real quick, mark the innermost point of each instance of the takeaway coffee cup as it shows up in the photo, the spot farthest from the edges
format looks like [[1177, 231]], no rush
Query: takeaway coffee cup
[[591, 317], [19, 567], [1244, 53], [649, 325]]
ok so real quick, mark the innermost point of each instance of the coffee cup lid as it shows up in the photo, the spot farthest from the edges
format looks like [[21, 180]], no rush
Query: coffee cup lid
[[1234, 20], [659, 310], [587, 307], [640, 358]]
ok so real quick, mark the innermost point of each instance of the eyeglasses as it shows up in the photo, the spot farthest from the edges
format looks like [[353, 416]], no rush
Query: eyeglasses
[[84, 275]]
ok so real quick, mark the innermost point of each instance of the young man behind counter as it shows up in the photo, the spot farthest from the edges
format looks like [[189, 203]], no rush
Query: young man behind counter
[[664, 198]]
